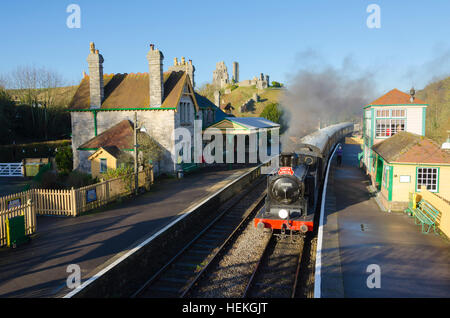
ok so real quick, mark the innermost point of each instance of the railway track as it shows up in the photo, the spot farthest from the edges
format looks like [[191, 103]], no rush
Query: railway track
[[277, 273], [178, 277]]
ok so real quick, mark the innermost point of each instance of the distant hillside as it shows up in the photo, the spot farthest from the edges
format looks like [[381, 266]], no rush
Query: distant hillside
[[240, 95], [62, 95], [437, 96]]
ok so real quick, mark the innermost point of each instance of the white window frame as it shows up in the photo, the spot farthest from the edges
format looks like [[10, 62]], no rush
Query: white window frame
[[390, 120], [105, 160], [429, 177]]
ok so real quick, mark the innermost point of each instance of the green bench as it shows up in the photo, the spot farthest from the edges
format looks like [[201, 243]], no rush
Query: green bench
[[426, 215]]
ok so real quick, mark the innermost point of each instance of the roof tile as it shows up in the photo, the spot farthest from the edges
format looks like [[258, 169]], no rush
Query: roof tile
[[396, 97], [405, 147]]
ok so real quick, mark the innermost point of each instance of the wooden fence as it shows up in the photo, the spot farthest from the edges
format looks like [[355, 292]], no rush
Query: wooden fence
[[27, 210], [66, 202]]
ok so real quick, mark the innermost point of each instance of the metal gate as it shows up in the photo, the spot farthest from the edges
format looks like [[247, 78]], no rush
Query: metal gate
[[14, 169]]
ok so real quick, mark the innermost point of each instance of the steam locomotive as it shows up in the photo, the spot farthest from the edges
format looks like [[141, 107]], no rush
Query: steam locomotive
[[292, 188]]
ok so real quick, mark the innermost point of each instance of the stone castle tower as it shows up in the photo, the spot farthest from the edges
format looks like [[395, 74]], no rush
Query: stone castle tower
[[236, 72], [220, 75]]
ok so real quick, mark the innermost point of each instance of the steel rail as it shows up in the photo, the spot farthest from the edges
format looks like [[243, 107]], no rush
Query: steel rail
[[257, 267], [252, 210], [194, 240]]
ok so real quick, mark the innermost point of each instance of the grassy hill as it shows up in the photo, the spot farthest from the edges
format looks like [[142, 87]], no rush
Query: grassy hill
[[61, 95], [240, 95], [437, 96]]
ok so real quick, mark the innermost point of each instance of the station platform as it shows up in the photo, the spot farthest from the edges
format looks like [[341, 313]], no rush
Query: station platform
[[357, 233], [94, 240]]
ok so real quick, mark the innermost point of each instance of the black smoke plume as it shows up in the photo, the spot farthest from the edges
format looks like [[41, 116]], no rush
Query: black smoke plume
[[321, 95]]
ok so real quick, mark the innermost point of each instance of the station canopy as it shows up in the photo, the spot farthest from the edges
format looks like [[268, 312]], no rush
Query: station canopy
[[243, 125]]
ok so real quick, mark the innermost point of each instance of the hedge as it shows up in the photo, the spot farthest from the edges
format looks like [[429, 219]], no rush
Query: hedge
[[45, 149]]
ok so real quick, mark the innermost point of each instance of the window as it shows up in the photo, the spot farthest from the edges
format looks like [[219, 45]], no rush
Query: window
[[390, 124], [389, 127], [181, 112], [185, 112], [398, 113], [427, 177], [394, 113], [188, 110], [382, 112], [103, 166]]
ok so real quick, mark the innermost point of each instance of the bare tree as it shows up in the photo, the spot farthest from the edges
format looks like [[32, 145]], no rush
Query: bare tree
[[37, 88], [3, 81], [49, 81]]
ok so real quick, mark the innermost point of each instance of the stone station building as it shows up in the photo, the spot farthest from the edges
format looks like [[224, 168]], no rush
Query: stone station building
[[162, 100]]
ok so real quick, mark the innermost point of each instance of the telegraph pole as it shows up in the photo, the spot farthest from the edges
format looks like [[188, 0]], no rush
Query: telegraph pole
[[136, 173]]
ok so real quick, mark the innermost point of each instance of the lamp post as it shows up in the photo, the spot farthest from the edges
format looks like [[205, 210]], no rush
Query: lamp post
[[136, 173]]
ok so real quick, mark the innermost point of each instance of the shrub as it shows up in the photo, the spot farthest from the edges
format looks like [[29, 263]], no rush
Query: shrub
[[272, 113], [78, 179], [116, 173], [49, 180], [125, 173], [276, 84], [64, 159]]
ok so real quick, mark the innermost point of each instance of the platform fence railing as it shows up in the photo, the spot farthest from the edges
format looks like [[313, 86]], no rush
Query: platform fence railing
[[71, 202]]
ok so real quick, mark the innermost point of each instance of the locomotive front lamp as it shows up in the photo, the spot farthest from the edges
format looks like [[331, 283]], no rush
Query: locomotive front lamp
[[283, 213]]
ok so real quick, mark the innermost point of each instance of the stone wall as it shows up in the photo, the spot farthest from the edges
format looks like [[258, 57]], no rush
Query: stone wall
[[160, 124], [82, 130]]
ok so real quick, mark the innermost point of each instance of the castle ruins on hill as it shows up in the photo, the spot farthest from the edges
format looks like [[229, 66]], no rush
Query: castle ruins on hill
[[221, 78]]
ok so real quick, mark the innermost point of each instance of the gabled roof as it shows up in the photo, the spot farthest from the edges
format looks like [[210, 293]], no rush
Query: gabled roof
[[112, 150], [204, 103], [396, 97], [132, 91], [119, 136], [405, 147], [244, 123]]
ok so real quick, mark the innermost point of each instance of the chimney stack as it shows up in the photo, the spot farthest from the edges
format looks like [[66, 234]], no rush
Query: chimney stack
[[190, 69], [95, 62], [155, 64]]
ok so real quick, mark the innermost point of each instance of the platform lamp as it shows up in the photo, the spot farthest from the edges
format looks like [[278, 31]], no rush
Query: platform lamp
[[137, 127]]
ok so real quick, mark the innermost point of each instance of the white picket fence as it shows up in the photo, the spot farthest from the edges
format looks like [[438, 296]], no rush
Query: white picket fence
[[14, 169]]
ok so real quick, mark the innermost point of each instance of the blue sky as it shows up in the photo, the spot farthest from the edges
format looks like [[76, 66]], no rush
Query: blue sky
[[411, 47]]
